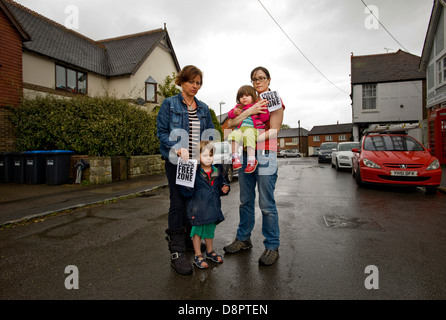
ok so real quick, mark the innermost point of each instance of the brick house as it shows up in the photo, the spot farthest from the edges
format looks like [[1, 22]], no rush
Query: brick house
[[296, 138], [387, 89], [44, 57], [328, 133]]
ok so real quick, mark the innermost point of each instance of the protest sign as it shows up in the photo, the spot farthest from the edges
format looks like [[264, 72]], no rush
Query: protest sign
[[186, 173], [274, 101]]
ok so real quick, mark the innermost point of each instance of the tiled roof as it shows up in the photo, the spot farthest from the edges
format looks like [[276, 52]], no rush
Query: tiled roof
[[290, 133], [332, 129], [112, 57], [388, 67]]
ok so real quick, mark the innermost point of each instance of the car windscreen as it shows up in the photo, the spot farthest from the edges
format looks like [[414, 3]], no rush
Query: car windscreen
[[328, 146], [347, 146], [392, 143]]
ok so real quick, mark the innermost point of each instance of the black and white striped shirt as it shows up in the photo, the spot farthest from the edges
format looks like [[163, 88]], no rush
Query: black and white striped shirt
[[194, 134]]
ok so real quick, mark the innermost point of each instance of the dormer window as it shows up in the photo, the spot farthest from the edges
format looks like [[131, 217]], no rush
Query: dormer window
[[151, 88]]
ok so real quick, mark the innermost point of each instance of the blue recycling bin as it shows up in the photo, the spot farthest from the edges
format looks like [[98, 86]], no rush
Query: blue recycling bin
[[35, 167], [6, 168], [57, 165]]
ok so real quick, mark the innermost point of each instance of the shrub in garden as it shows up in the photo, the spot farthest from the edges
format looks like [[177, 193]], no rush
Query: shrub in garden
[[98, 126]]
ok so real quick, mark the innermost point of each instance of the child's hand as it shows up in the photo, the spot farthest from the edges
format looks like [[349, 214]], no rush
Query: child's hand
[[225, 189], [237, 111]]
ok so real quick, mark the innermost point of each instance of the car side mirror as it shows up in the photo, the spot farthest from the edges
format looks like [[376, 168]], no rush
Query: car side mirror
[[334, 149], [355, 150]]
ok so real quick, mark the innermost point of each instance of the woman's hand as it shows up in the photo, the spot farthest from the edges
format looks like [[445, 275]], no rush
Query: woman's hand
[[183, 153], [259, 107]]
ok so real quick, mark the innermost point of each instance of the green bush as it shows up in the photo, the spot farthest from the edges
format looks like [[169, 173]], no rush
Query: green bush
[[95, 126]]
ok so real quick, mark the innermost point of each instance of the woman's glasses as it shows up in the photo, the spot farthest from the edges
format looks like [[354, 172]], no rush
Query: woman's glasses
[[260, 79]]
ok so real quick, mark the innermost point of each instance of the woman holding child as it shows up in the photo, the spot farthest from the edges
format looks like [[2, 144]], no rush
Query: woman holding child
[[265, 176]]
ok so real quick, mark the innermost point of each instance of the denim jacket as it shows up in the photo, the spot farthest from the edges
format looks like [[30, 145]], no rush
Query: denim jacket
[[173, 124]]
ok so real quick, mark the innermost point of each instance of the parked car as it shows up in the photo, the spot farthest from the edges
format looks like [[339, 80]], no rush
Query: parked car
[[288, 153], [342, 155], [395, 159], [223, 156], [325, 151]]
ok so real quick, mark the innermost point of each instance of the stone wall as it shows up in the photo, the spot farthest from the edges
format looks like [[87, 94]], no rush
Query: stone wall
[[108, 169]]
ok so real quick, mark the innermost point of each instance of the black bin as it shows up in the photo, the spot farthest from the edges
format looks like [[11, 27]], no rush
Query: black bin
[[6, 168], [18, 162], [35, 171], [58, 166]]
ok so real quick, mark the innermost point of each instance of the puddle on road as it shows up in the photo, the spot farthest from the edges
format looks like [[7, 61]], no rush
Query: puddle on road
[[335, 221]]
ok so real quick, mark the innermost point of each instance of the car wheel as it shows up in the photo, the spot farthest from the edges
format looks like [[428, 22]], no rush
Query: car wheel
[[358, 177], [337, 165], [228, 172]]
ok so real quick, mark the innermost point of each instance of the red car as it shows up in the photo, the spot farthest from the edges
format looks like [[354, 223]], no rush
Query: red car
[[395, 159]]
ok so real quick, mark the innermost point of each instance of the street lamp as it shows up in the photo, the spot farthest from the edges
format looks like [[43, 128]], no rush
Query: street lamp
[[222, 102]]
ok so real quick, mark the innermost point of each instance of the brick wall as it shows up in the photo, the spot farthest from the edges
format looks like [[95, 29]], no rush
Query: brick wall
[[10, 79]]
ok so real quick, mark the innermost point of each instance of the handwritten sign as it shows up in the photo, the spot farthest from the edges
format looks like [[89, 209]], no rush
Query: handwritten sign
[[186, 173], [274, 101]]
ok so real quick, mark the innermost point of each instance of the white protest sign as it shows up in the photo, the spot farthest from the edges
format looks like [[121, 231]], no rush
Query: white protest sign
[[273, 98], [186, 173]]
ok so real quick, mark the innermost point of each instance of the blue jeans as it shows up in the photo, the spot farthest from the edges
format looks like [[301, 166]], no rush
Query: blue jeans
[[265, 176]]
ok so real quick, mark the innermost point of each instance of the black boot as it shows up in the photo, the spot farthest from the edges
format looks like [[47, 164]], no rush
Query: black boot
[[177, 250]]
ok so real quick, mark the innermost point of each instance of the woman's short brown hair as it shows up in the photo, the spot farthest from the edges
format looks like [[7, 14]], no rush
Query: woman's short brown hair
[[188, 73], [248, 90]]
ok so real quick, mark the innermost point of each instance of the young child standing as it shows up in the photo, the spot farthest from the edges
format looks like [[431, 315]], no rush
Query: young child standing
[[247, 131], [204, 205]]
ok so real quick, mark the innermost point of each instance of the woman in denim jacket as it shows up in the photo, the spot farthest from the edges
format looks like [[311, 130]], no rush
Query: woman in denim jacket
[[182, 122]]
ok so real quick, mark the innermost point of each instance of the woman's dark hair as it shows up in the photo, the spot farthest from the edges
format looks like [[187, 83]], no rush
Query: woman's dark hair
[[253, 72], [188, 73], [248, 90]]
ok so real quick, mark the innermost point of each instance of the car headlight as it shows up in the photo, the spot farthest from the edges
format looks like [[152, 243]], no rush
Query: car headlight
[[434, 165], [344, 157], [370, 164]]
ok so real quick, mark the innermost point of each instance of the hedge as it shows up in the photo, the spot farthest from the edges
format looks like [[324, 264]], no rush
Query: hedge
[[103, 126]]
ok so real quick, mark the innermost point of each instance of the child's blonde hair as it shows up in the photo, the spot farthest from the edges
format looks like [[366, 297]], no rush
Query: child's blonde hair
[[206, 144]]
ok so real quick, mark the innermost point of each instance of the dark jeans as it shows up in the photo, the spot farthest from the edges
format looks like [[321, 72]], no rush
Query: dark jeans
[[177, 218]]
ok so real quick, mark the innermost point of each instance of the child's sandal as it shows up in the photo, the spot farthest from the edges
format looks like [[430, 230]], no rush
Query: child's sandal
[[200, 262], [213, 256]]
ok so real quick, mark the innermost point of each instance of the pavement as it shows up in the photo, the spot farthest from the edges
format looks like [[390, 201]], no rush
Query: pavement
[[22, 202]]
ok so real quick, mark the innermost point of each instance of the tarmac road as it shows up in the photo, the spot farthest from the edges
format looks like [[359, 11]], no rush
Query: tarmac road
[[331, 231]]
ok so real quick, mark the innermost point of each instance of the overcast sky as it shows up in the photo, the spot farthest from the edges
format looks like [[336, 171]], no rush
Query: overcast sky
[[226, 39]]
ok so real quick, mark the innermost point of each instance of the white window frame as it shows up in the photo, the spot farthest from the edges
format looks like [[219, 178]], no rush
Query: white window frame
[[369, 94]]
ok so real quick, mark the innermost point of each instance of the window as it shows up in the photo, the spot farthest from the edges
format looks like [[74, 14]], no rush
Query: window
[[441, 71], [328, 138], [71, 80], [369, 97], [151, 88], [295, 141], [342, 137], [316, 138]]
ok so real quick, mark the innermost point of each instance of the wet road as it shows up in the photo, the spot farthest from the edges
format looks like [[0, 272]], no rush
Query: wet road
[[331, 231]]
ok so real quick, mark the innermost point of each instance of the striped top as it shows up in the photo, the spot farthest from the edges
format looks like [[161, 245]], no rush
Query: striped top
[[194, 134]]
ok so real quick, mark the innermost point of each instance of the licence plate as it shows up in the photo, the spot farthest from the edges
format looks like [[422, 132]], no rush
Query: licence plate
[[404, 173]]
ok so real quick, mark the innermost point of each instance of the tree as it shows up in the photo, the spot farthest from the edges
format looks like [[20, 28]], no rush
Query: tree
[[169, 89]]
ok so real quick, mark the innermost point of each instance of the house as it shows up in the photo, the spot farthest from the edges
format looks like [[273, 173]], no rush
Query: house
[[328, 133], [296, 138], [387, 89], [433, 63], [44, 57]]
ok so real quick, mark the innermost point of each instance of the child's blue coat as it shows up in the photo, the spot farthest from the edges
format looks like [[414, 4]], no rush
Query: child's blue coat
[[203, 201]]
